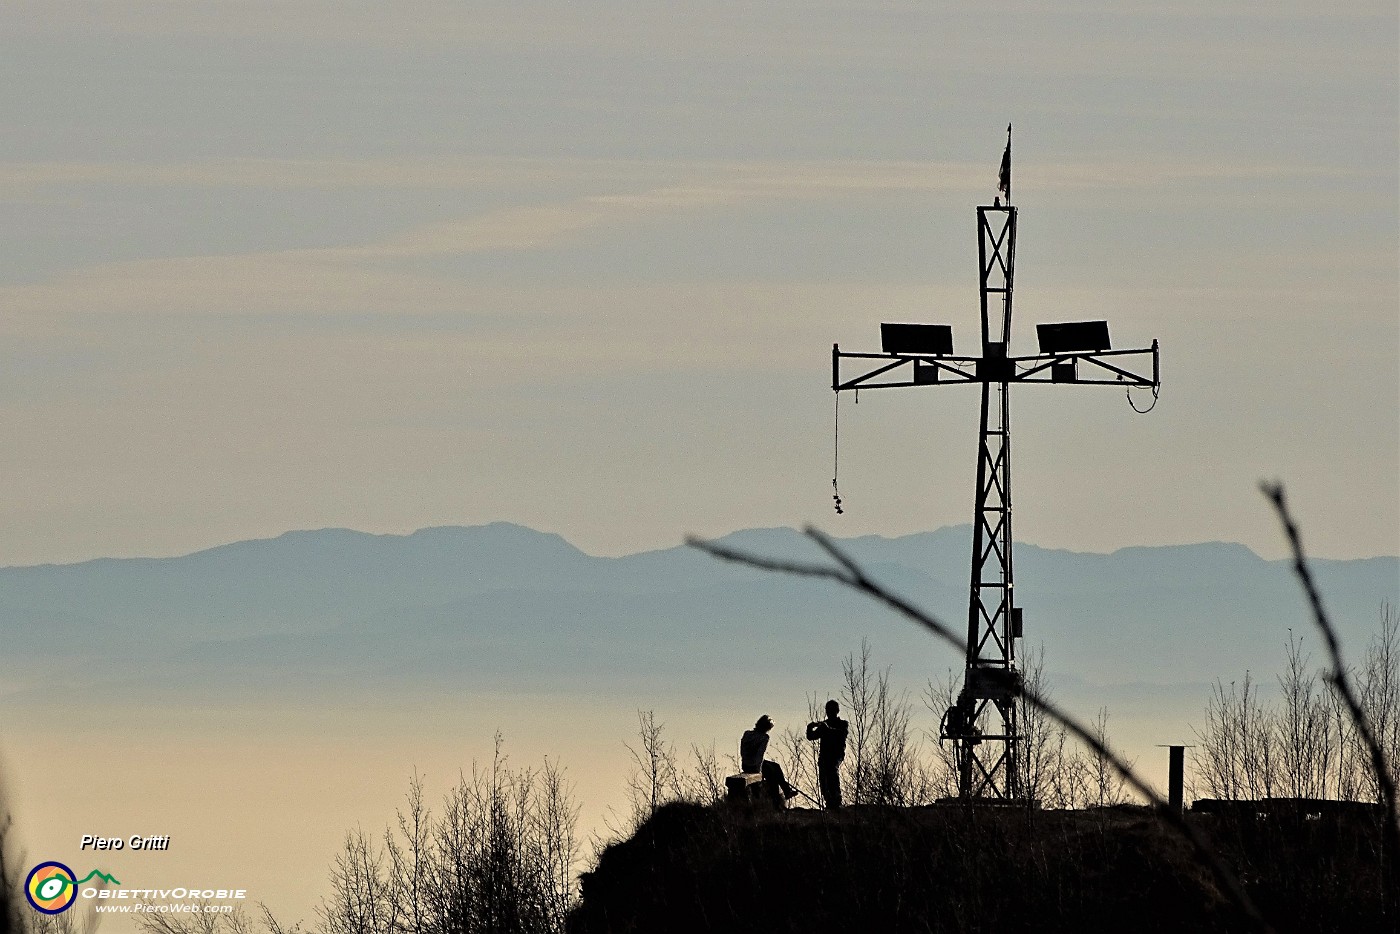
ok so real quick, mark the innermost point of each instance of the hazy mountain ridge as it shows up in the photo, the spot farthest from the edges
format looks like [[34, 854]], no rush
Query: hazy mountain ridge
[[504, 606]]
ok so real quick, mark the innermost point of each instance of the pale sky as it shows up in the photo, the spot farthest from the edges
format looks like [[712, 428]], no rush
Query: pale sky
[[269, 266], [579, 265]]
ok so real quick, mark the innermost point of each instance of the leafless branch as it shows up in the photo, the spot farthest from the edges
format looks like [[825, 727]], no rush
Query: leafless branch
[[1339, 679]]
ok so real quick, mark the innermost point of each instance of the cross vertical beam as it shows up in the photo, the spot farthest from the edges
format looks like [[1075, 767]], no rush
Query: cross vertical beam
[[988, 762]]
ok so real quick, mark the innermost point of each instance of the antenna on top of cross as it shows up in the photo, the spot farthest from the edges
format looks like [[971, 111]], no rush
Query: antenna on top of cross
[[1004, 176]]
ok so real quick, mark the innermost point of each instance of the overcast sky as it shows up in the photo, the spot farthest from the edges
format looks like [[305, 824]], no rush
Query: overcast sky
[[268, 266]]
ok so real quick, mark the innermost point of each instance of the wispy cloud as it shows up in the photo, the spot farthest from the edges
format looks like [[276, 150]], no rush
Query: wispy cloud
[[328, 174], [675, 184], [369, 276], [694, 181]]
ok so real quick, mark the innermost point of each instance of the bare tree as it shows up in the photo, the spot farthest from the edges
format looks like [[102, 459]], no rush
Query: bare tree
[[1303, 728], [1214, 758], [359, 902], [1308, 745], [1236, 756], [1106, 784], [858, 701], [499, 857], [555, 830], [883, 754], [942, 772], [802, 752], [203, 920], [1380, 695], [10, 898], [1349, 779], [409, 862], [1048, 772], [896, 776], [703, 781], [273, 926], [655, 778]]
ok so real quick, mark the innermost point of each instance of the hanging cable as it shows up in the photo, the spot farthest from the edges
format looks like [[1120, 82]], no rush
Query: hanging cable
[[1131, 405], [836, 457]]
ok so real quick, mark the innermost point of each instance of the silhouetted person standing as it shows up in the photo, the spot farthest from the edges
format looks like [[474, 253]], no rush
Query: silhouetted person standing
[[832, 733], [752, 745]]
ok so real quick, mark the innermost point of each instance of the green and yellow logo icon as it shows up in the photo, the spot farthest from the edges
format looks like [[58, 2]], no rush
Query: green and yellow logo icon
[[51, 887]]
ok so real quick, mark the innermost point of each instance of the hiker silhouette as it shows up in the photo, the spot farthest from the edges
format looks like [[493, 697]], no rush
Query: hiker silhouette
[[752, 745]]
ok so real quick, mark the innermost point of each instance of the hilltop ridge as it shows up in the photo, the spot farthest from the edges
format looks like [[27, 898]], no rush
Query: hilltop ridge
[[956, 869]]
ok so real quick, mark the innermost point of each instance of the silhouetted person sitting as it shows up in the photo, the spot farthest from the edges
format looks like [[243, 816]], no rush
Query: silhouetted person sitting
[[752, 745], [832, 733]]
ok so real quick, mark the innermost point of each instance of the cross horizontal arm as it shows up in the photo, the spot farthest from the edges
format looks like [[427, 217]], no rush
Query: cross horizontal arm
[[1101, 368], [1042, 368], [912, 370]]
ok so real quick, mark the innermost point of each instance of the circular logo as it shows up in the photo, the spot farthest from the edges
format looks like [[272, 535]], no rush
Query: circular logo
[[51, 887]]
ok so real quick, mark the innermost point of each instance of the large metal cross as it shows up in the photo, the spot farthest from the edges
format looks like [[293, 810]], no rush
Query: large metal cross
[[983, 724]]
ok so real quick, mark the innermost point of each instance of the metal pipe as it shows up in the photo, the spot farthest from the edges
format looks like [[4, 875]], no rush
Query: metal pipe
[[1176, 775]]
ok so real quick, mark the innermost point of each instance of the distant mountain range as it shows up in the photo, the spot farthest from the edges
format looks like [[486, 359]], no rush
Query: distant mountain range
[[503, 607]]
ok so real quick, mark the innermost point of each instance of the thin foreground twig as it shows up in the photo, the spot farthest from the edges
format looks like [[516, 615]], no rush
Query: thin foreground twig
[[852, 575], [1337, 677]]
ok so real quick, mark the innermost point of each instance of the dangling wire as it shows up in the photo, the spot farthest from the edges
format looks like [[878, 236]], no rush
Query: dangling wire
[[836, 458], [1131, 405]]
